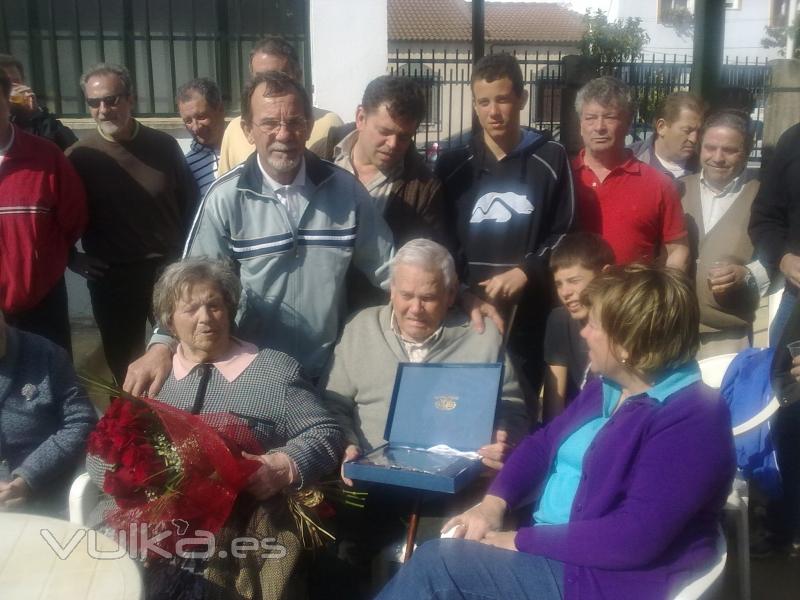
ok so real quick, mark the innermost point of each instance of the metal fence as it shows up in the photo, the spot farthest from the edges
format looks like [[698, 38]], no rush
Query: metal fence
[[445, 76], [163, 42]]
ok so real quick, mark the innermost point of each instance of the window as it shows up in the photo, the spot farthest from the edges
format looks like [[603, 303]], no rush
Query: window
[[668, 8], [164, 43], [779, 13], [733, 4]]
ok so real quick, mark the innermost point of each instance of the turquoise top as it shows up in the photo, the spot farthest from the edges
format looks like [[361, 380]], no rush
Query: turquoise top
[[555, 505]]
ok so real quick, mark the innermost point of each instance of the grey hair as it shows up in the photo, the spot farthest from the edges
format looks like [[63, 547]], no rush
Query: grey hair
[[732, 119], [109, 69], [606, 91], [183, 274], [427, 255]]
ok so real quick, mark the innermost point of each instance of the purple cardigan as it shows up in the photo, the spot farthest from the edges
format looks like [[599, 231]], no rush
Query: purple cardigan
[[646, 512]]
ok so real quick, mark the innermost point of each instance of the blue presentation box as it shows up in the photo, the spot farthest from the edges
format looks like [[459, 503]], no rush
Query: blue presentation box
[[446, 403]]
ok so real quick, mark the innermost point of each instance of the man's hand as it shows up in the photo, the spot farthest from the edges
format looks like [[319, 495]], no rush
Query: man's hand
[[477, 309], [494, 455], [14, 493], [87, 266], [795, 372], [790, 267], [23, 98], [148, 373], [501, 539], [505, 287], [726, 278], [352, 452], [479, 520], [274, 474]]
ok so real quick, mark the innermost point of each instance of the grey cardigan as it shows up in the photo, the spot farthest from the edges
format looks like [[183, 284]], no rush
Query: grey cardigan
[[45, 415]]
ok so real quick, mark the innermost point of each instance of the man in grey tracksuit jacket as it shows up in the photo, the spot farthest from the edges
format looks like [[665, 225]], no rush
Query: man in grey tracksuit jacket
[[293, 275]]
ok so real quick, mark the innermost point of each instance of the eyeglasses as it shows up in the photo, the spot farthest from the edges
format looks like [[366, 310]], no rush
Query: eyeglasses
[[109, 101], [292, 125]]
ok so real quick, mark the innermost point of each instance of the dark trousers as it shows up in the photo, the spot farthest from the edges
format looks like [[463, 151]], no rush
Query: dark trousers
[[121, 303], [786, 433], [451, 569], [49, 318]]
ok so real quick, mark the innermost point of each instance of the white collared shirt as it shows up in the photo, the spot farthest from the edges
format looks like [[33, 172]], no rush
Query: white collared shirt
[[678, 170], [288, 195], [714, 204], [417, 352]]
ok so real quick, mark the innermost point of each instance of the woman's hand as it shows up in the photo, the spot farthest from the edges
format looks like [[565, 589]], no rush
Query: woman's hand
[[479, 520], [14, 493], [275, 473], [501, 539]]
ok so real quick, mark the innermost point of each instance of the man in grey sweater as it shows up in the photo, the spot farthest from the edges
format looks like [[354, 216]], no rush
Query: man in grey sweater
[[418, 325]]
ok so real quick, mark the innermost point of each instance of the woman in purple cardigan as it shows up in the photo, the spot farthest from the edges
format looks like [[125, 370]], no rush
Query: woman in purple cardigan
[[630, 479]]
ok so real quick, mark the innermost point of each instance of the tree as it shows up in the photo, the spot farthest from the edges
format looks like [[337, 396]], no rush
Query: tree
[[616, 42], [776, 38]]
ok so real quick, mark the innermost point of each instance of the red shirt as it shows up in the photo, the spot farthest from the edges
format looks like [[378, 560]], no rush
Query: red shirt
[[635, 209]]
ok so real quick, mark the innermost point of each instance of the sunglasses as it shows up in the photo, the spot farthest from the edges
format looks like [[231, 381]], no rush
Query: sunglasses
[[107, 100]]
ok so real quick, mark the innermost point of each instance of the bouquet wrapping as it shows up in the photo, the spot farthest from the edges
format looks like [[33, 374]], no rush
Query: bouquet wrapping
[[169, 470]]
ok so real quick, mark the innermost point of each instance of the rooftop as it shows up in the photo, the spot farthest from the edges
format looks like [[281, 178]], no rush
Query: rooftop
[[506, 22]]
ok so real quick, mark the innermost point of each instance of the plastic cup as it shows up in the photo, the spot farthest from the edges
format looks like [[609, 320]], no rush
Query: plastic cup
[[794, 348]]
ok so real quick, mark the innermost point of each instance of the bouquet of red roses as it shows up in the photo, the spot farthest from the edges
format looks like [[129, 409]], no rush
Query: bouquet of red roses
[[171, 471]]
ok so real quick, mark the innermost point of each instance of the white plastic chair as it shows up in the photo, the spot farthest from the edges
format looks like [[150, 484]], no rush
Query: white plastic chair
[[83, 498], [709, 580], [713, 370]]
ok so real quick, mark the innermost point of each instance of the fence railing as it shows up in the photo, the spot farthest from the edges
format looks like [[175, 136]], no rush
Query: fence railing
[[445, 77], [164, 43]]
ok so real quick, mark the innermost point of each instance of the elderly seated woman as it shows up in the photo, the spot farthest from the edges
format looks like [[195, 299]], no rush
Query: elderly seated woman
[[633, 475], [214, 372], [45, 418]]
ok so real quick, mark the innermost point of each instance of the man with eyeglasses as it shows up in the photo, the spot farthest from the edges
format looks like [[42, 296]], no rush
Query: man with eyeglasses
[[271, 53], [294, 224], [42, 214], [141, 200]]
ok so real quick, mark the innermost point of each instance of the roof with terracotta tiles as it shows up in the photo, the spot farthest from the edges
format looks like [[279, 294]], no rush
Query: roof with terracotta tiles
[[506, 22]]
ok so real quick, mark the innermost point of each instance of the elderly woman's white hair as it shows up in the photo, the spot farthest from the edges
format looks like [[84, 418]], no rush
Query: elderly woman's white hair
[[427, 255], [179, 276]]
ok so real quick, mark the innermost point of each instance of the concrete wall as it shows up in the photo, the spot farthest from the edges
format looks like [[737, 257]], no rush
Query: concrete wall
[[348, 49]]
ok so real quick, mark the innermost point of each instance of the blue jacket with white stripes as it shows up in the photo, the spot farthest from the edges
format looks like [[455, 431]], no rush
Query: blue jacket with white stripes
[[293, 276]]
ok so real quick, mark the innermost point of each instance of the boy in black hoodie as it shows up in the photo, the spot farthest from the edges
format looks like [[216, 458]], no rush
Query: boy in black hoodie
[[510, 200]]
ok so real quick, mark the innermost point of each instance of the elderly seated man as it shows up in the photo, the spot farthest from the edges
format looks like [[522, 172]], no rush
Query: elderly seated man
[[420, 324]]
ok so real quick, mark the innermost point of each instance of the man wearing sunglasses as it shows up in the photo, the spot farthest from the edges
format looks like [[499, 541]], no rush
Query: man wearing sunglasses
[[141, 198]]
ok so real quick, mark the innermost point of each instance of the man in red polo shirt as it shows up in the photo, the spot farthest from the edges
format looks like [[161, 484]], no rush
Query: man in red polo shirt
[[630, 204]]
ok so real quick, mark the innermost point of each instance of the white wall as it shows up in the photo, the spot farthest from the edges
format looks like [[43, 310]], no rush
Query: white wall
[[744, 27], [348, 50]]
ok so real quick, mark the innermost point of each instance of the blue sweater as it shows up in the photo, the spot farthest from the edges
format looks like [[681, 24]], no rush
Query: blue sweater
[[644, 518], [45, 416]]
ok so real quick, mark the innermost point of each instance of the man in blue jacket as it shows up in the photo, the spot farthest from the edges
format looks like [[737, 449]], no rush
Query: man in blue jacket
[[510, 200]]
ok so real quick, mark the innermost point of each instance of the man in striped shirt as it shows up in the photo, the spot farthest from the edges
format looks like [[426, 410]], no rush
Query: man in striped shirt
[[200, 106]]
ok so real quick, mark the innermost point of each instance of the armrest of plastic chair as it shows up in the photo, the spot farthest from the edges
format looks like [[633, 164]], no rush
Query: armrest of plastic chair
[[83, 497], [709, 577]]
